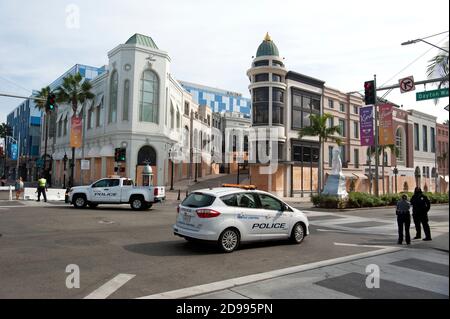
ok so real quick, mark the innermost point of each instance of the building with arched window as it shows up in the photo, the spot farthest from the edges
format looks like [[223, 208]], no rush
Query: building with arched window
[[139, 106]]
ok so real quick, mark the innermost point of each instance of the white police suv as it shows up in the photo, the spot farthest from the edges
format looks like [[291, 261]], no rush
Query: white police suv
[[231, 215]]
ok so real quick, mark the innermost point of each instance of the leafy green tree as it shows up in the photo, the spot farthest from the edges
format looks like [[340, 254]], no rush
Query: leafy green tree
[[42, 96], [74, 90], [438, 67], [318, 127]]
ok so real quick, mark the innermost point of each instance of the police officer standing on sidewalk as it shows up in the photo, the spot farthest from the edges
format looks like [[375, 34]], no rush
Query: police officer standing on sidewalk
[[42, 187], [403, 219], [421, 206]]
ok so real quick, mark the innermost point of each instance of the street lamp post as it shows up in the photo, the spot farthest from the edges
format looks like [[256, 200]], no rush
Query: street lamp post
[[422, 40], [395, 176], [171, 169], [65, 158]]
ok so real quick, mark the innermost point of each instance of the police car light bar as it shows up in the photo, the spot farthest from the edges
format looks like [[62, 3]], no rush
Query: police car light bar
[[240, 186]]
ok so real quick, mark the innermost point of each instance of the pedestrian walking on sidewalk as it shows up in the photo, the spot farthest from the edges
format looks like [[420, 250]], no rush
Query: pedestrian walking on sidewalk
[[42, 187], [19, 188], [421, 206], [403, 219]]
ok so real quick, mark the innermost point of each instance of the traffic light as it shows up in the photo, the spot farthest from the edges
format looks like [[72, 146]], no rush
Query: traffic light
[[51, 102], [120, 154], [369, 92]]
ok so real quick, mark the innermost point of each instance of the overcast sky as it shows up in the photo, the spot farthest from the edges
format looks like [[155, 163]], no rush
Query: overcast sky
[[343, 43]]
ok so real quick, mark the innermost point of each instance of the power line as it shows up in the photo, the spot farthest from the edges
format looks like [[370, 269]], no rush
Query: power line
[[15, 83]]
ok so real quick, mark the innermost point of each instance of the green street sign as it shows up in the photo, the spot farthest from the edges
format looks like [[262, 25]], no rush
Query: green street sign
[[433, 94]]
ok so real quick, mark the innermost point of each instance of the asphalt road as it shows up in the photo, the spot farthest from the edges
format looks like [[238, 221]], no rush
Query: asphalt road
[[37, 243]]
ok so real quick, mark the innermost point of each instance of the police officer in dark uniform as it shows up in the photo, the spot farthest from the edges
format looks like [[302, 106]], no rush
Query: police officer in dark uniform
[[421, 206], [403, 219]]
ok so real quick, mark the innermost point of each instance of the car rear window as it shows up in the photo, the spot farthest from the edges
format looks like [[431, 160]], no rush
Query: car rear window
[[198, 200]]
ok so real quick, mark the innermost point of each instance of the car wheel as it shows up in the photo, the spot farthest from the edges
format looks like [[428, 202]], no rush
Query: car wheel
[[229, 240], [79, 201], [298, 233], [92, 205], [137, 203]]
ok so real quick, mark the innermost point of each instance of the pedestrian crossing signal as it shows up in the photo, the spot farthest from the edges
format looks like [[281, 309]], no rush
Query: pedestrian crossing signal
[[120, 154]]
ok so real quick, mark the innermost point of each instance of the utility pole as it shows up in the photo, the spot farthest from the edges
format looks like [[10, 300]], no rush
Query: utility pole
[[377, 159]]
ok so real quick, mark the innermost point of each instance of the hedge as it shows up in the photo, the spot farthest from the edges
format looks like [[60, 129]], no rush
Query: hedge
[[358, 200]]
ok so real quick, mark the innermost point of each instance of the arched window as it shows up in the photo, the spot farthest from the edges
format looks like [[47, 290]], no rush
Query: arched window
[[195, 138], [126, 100], [400, 144], [172, 116], [186, 137], [114, 86], [147, 155], [149, 105], [178, 118]]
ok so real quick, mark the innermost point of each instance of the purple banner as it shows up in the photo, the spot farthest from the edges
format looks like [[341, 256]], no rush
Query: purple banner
[[366, 125]]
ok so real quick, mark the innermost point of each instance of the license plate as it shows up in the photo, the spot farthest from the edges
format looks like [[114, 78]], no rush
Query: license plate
[[187, 218]]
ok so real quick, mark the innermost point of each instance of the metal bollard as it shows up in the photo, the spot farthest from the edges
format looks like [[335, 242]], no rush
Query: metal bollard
[[10, 192], [179, 194]]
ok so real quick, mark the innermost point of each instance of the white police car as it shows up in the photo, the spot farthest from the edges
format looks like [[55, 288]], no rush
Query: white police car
[[231, 215]]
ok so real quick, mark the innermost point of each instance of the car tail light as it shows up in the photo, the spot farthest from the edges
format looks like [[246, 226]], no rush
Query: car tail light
[[155, 191], [207, 213]]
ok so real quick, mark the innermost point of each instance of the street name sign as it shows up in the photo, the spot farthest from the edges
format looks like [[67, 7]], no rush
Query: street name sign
[[433, 94], [407, 84]]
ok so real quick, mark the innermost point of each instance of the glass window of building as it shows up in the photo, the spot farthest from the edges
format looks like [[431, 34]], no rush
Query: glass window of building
[[261, 63], [330, 156], [343, 157], [342, 127], [262, 77], [330, 103], [355, 109], [342, 107], [277, 63], [425, 138], [356, 129], [65, 126], [399, 145], [126, 100], [416, 137], [186, 108], [330, 121], [356, 157], [261, 105], [172, 116], [433, 139], [276, 78], [178, 119], [148, 106], [303, 105], [114, 88]]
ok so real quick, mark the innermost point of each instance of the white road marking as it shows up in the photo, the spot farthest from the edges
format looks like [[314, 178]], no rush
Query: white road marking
[[359, 245], [230, 283], [110, 287]]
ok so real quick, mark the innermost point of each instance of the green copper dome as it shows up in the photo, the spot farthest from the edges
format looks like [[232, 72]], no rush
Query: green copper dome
[[143, 40], [267, 47]]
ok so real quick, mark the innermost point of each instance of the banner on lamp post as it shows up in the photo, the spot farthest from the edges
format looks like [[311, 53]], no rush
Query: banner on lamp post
[[386, 125], [366, 125], [14, 151], [76, 132]]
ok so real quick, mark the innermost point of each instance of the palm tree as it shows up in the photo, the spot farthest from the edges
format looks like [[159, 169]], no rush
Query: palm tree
[[318, 127], [438, 67], [73, 91], [381, 149], [5, 130], [42, 96]]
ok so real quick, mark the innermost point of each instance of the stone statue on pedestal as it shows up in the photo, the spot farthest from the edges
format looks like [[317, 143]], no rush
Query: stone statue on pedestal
[[335, 184]]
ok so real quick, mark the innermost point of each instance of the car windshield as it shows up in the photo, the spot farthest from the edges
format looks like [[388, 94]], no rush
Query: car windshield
[[196, 200]]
